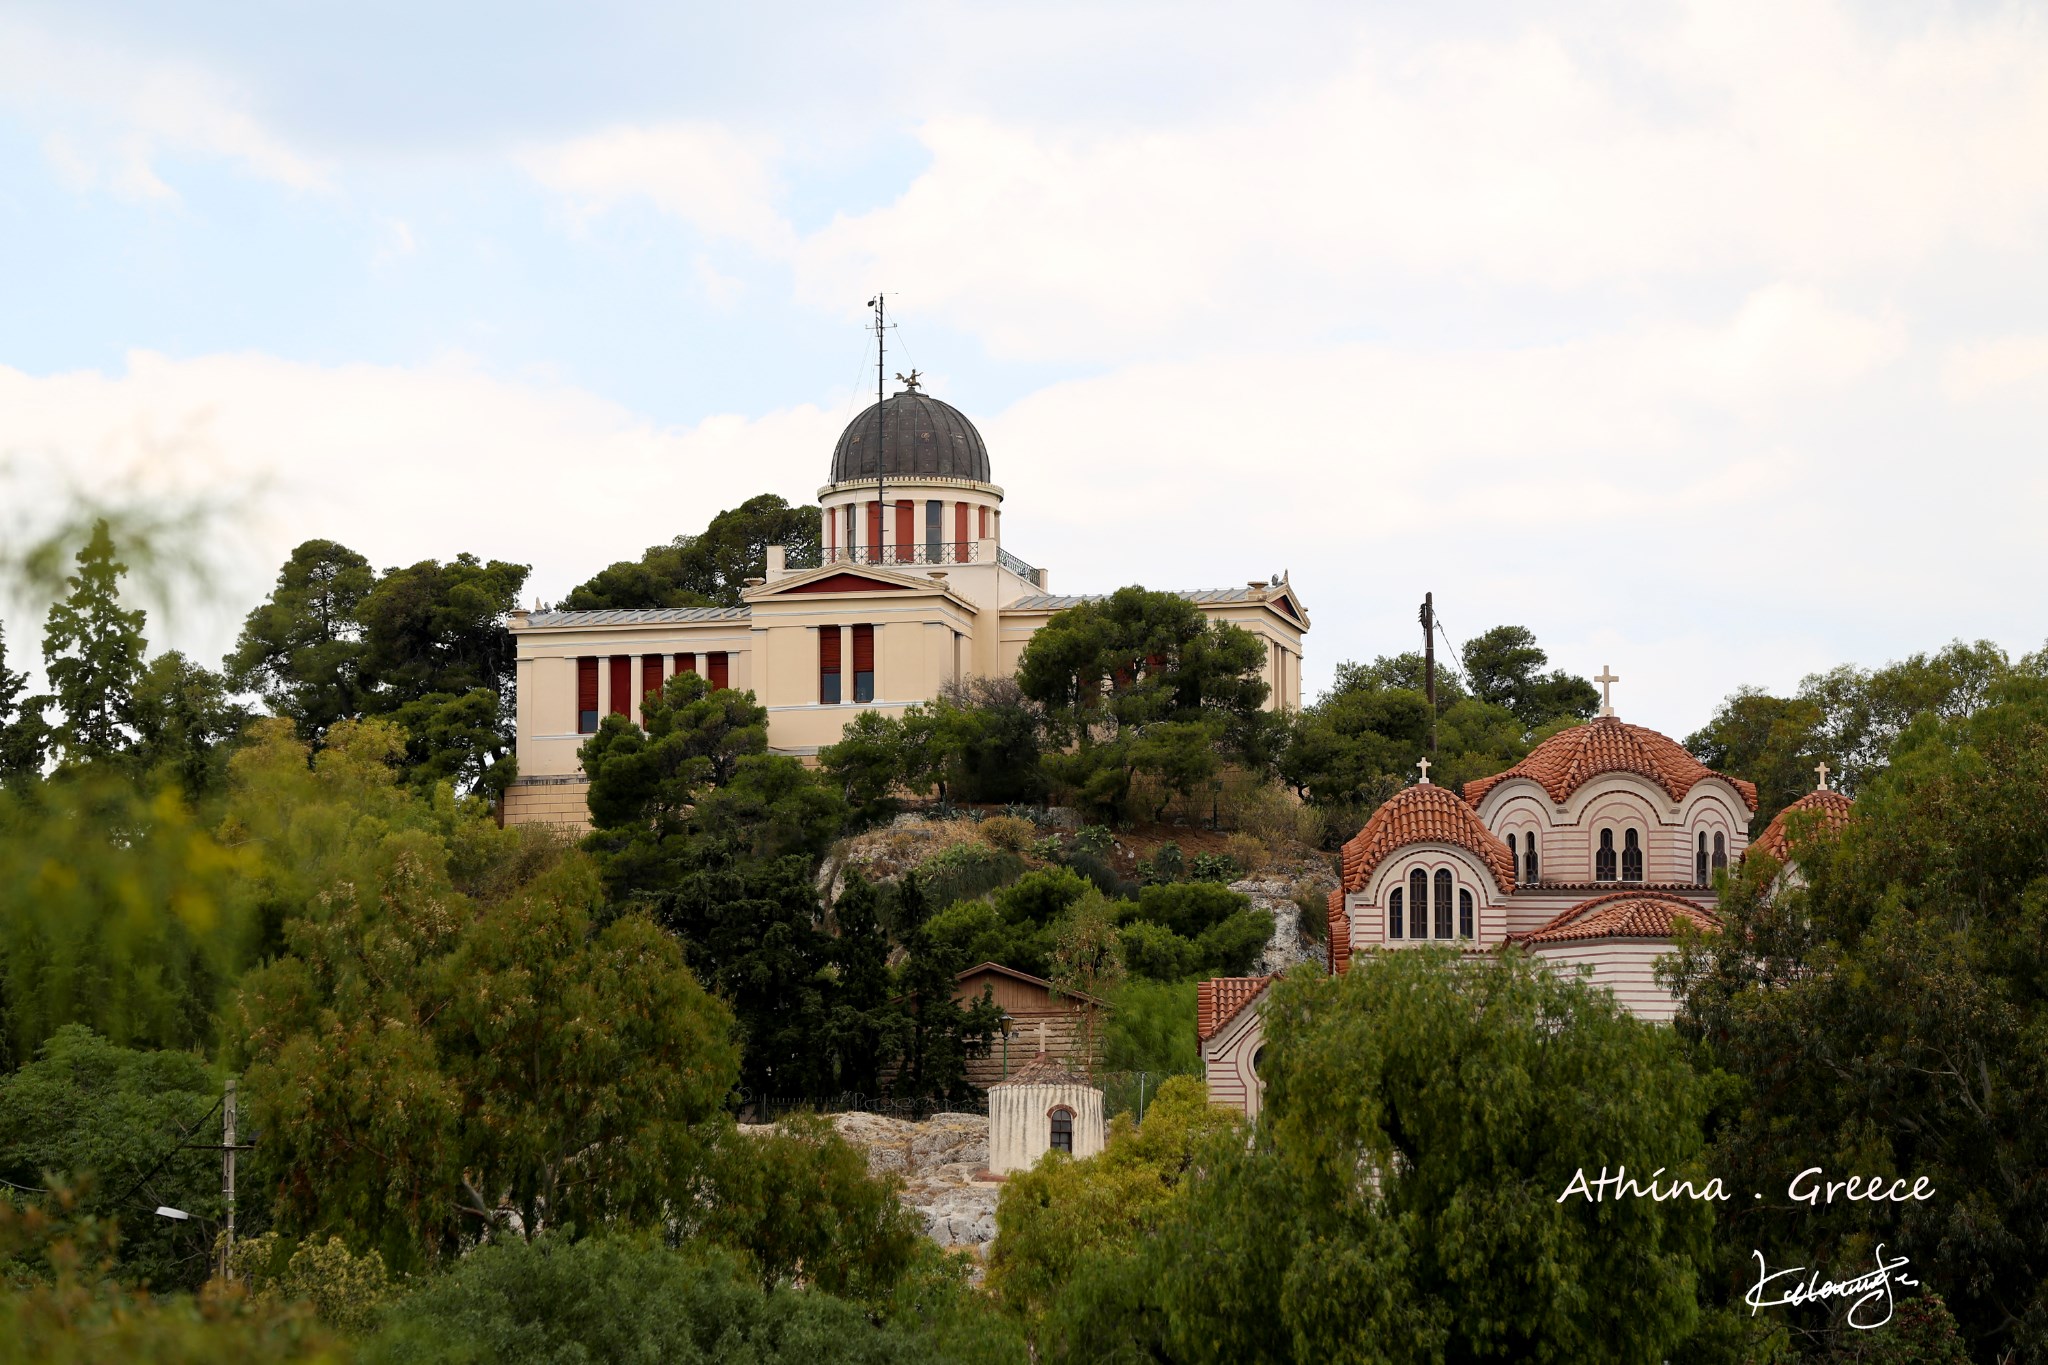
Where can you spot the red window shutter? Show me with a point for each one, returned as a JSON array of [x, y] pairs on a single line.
[[984, 523], [650, 673], [906, 532], [718, 670], [686, 663], [828, 648], [586, 694], [874, 533], [960, 527], [622, 684], [863, 649]]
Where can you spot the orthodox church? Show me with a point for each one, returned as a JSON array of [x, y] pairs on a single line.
[[913, 588], [1589, 854]]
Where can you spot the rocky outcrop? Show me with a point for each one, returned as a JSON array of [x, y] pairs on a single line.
[[1274, 892], [943, 1163]]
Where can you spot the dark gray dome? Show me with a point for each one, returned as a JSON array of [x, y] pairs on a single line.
[[919, 435]]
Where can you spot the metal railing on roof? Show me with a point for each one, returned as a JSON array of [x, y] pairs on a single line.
[[927, 552], [1019, 568]]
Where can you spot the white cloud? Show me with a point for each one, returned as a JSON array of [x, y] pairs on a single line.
[[718, 181], [1977, 369], [111, 116], [1772, 140]]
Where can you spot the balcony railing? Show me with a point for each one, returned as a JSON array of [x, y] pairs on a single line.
[[921, 552], [1019, 568]]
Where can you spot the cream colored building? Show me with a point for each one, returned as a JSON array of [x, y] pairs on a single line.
[[914, 589]]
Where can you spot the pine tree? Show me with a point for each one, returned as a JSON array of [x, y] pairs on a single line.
[[23, 734], [92, 651]]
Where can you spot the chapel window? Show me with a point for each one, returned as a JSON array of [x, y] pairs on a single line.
[[1603, 857], [1699, 862], [1720, 853], [1529, 858], [1062, 1129], [1514, 858], [1394, 913], [1418, 904], [1443, 902], [586, 696], [1464, 913], [1631, 856]]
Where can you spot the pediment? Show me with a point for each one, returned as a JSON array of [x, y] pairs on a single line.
[[847, 582], [835, 580]]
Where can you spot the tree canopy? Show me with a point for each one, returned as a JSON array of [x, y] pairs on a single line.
[[708, 569]]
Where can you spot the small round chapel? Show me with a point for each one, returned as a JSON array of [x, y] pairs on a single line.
[[1044, 1106]]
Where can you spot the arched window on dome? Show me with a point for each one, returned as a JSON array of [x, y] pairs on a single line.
[[1062, 1129], [1394, 913], [1603, 857], [1418, 904], [1699, 862], [1631, 856], [1720, 852], [1529, 868], [1443, 902], [1464, 913]]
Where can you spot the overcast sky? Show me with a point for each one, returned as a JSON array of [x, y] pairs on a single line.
[[1709, 341]]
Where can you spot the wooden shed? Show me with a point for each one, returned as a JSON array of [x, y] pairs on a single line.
[[1031, 1006]]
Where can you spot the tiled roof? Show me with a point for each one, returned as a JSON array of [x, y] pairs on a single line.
[[1053, 601], [1339, 934], [1217, 1001], [1623, 914], [651, 617], [1000, 970], [1044, 1069], [1568, 760], [1424, 814], [1834, 809]]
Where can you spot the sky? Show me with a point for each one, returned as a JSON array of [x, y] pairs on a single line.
[[1709, 341]]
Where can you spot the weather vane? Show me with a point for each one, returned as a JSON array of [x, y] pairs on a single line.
[[908, 381]]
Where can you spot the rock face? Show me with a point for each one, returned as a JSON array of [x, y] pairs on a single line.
[[1275, 895], [942, 1162]]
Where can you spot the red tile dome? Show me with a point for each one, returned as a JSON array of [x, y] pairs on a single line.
[[1571, 758], [1834, 810], [1424, 814]]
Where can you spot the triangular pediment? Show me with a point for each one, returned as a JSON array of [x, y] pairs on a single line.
[[866, 580], [847, 582]]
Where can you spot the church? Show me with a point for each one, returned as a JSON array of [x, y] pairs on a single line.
[[913, 587], [1588, 854]]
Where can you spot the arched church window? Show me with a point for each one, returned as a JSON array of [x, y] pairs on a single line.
[[1699, 862], [1418, 904], [1443, 902], [1529, 858], [1258, 1061], [1720, 852], [1603, 857], [1394, 913], [1062, 1129], [1514, 858], [1464, 913], [1631, 856]]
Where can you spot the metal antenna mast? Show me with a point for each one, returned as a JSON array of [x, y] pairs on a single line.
[[881, 418]]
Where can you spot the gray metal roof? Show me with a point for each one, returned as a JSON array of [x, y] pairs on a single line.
[[651, 617], [1053, 601], [920, 435]]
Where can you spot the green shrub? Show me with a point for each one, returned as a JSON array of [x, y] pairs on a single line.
[[1009, 832]]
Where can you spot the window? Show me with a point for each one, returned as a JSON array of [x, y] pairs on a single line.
[[650, 678], [718, 672], [1418, 904], [586, 697], [828, 664], [1062, 1129], [984, 523], [1699, 862], [1394, 913], [863, 663], [1258, 1062], [686, 663], [1720, 853], [1514, 859], [849, 531], [1443, 902], [874, 554], [622, 684], [960, 531], [1603, 857], [1464, 913], [1529, 858], [906, 531], [934, 531], [1631, 856]]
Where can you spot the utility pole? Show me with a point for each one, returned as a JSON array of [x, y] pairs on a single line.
[[227, 1179], [1429, 661]]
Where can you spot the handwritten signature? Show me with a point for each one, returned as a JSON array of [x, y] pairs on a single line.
[[1865, 1289]]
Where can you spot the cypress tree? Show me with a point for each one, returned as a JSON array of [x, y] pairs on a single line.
[[92, 650], [22, 731]]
